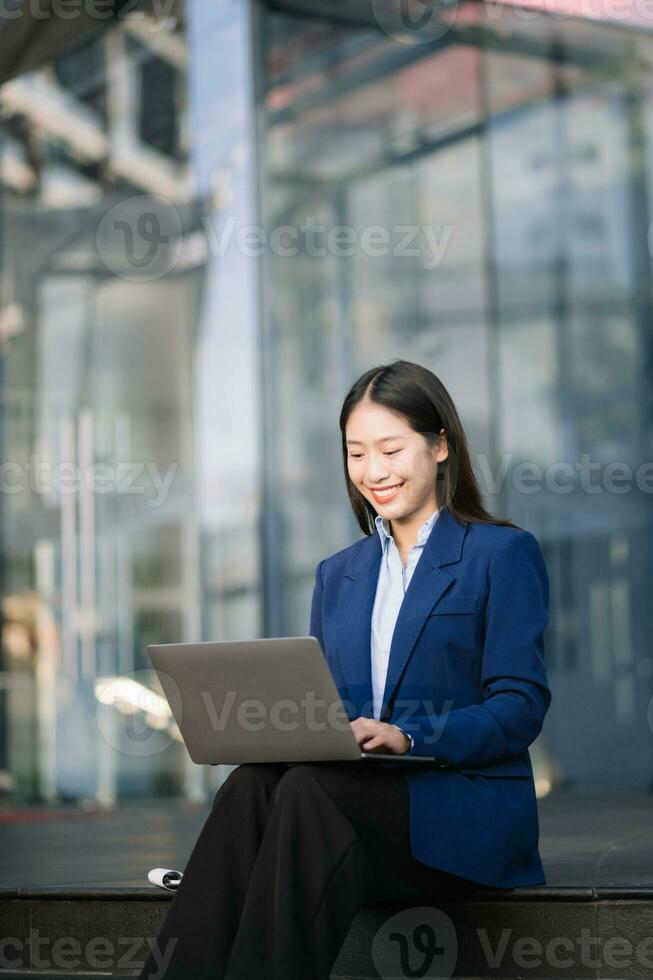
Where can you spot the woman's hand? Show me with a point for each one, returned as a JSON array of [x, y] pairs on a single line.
[[378, 736]]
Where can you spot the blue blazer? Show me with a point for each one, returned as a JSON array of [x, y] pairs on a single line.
[[466, 677]]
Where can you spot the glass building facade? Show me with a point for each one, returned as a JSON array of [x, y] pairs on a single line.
[[210, 224]]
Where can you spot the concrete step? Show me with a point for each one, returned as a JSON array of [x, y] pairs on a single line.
[[49, 975], [600, 933]]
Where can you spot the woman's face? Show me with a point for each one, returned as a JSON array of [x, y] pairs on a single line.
[[383, 451]]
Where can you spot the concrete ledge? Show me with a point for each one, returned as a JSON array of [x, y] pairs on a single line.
[[537, 932]]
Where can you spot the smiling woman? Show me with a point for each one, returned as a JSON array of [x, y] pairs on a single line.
[[431, 626], [438, 631]]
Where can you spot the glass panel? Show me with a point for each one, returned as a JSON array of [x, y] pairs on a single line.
[[128, 440], [366, 176], [521, 144]]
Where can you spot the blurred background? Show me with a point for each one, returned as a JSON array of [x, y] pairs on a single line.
[[198, 368]]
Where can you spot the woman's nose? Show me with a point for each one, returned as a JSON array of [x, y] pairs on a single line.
[[377, 471]]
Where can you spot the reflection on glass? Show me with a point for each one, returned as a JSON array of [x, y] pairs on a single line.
[[518, 164], [123, 480]]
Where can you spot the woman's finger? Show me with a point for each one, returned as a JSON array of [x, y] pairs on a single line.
[[374, 743]]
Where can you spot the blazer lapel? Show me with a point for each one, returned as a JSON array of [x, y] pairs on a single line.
[[356, 603], [354, 619]]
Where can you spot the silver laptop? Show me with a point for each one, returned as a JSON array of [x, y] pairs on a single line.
[[268, 700]]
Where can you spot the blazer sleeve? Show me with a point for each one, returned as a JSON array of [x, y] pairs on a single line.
[[515, 691], [315, 627]]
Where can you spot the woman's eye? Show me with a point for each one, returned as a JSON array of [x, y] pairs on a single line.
[[358, 455]]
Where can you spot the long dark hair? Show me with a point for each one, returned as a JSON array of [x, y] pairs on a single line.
[[415, 393]]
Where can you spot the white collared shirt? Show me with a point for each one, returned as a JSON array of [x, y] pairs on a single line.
[[391, 587]]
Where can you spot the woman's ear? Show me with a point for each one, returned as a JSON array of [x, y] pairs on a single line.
[[443, 448]]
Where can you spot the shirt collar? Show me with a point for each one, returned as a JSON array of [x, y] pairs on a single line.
[[383, 528]]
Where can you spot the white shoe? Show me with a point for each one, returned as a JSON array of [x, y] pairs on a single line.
[[165, 878]]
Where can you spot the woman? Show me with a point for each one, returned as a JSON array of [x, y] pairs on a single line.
[[432, 625]]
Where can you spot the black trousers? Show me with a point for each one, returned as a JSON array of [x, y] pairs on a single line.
[[287, 855]]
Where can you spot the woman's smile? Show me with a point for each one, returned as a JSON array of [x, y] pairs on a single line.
[[382, 496]]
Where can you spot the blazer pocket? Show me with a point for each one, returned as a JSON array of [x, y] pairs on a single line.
[[456, 604]]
